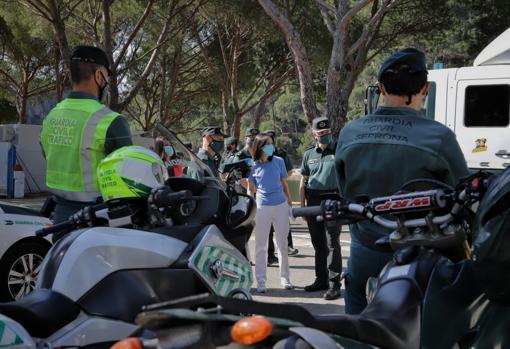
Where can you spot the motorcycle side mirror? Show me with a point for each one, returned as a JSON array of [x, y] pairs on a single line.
[[242, 210]]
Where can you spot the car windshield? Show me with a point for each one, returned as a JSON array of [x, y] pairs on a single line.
[[192, 166]]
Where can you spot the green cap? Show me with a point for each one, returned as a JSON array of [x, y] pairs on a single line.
[[252, 131], [321, 123], [410, 60]]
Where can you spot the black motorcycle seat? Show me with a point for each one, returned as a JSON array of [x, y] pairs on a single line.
[[41, 312], [397, 299]]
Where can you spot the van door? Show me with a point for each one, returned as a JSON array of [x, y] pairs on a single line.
[[482, 122]]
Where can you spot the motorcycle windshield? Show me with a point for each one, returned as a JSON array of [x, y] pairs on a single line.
[[183, 162]]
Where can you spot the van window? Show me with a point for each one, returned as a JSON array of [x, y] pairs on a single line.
[[487, 106]]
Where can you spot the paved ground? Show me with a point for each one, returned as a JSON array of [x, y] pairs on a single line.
[[302, 273], [301, 269]]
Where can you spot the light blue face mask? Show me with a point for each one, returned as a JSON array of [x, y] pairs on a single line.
[[169, 150], [268, 149]]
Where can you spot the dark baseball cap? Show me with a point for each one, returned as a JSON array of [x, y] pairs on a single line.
[[212, 130], [252, 131], [90, 54], [321, 123], [411, 58]]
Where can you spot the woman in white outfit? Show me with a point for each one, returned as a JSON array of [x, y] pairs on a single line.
[[268, 184]]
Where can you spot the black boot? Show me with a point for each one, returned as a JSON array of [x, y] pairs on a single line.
[[334, 289], [318, 285]]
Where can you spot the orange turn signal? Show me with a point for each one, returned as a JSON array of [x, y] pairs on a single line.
[[128, 343], [251, 330]]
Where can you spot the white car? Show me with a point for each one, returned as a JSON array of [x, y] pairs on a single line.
[[21, 252]]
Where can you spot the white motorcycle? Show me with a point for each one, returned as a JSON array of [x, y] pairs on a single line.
[[96, 278]]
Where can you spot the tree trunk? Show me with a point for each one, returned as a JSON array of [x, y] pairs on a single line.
[[21, 103], [58, 76], [113, 86], [60, 32], [336, 88], [224, 107], [260, 112], [299, 55], [236, 126]]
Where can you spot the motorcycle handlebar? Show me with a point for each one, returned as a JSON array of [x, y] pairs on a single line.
[[310, 211], [165, 198], [85, 215], [55, 228], [361, 209]]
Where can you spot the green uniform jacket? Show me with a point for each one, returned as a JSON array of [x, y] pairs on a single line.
[[283, 154], [319, 166], [378, 153]]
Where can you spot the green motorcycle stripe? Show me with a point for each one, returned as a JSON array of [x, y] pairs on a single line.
[[196, 261], [2, 330]]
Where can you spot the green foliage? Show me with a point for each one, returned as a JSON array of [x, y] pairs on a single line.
[[7, 112]]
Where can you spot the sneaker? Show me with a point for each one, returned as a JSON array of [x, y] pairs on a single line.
[[318, 285], [272, 260], [287, 285], [333, 292], [293, 251], [261, 289]]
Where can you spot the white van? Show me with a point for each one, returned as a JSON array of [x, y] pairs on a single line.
[[475, 103]]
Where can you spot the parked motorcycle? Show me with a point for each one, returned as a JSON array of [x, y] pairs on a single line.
[[118, 256], [432, 295]]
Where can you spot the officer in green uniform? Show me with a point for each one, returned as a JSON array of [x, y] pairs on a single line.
[[230, 150], [79, 132], [318, 177], [213, 143], [250, 135], [271, 257], [378, 153]]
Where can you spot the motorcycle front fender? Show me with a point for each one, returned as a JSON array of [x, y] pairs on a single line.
[[321, 340]]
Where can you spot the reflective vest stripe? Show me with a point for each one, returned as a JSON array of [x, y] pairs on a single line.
[[90, 152]]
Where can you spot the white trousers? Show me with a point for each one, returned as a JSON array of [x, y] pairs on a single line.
[[278, 216]]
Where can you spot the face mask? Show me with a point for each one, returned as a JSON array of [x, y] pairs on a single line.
[[217, 146], [268, 149], [169, 150], [249, 142], [325, 139]]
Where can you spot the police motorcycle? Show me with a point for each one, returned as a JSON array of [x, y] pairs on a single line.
[[433, 294], [151, 241]]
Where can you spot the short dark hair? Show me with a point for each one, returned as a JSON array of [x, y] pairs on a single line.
[[403, 83], [256, 149], [159, 146], [81, 71]]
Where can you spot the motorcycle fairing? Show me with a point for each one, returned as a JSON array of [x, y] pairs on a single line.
[[219, 264], [457, 312], [97, 252]]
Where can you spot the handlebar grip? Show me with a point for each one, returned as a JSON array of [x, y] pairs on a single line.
[[63, 226], [311, 211], [166, 198]]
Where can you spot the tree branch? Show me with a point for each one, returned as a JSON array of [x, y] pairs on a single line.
[[360, 5], [135, 31]]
